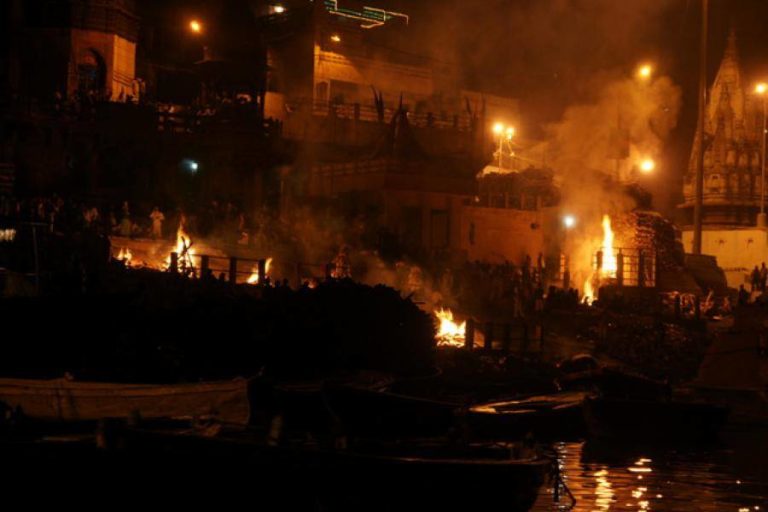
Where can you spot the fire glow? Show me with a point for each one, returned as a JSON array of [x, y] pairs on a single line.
[[125, 256], [450, 333], [184, 250], [254, 277], [607, 264]]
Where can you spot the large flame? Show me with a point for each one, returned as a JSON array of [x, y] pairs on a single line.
[[254, 277], [125, 256], [609, 258], [450, 333], [609, 263], [184, 250]]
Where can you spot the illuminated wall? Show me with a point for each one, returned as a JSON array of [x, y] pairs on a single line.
[[103, 60], [349, 78], [496, 235]]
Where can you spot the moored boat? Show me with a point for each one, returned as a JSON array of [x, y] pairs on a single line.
[[373, 474], [654, 419], [371, 412], [557, 415], [66, 400]]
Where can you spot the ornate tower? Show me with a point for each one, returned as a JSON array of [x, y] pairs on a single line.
[[103, 48], [731, 149]]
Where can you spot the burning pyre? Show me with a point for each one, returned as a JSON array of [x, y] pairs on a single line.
[[450, 333], [183, 249], [606, 264], [125, 256], [254, 277]]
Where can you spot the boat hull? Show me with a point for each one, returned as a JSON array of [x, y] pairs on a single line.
[[62, 400], [674, 420]]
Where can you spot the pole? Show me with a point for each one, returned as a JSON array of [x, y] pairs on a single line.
[[501, 149], [699, 198], [761, 220]]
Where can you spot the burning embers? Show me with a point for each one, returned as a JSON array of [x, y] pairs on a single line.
[[125, 256], [450, 333]]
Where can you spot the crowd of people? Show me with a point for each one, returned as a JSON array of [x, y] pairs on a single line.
[[222, 220], [502, 289], [758, 278]]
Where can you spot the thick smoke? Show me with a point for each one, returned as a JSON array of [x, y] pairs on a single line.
[[631, 118]]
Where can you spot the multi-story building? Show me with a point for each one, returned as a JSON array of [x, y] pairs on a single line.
[[70, 47]]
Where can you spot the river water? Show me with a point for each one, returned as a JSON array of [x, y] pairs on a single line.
[[730, 476]]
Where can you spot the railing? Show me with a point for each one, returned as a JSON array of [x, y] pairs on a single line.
[[634, 267], [185, 264], [369, 113], [520, 335]]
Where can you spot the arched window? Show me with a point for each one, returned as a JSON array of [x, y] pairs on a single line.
[[91, 73]]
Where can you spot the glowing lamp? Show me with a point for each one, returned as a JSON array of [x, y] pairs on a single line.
[[336, 38], [761, 88], [647, 165], [498, 128], [278, 9], [569, 221], [510, 132], [196, 27], [645, 71], [190, 166]]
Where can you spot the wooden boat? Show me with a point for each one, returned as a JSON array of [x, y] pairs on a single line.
[[395, 474], [370, 412], [654, 419], [558, 415], [616, 382], [65, 400]]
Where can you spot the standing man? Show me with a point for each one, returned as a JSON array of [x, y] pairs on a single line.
[[157, 222]]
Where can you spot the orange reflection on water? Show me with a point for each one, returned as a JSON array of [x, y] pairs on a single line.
[[603, 490]]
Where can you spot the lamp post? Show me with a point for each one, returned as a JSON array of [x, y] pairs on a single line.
[[503, 133], [569, 222], [761, 89], [645, 72], [647, 166], [196, 26]]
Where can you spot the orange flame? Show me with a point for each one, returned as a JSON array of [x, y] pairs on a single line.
[[609, 265], [184, 249], [450, 333], [609, 257], [254, 277], [125, 256]]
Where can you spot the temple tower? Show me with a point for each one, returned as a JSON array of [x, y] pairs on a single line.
[[731, 149]]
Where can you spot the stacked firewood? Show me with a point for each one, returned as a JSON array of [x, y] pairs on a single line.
[[654, 234]]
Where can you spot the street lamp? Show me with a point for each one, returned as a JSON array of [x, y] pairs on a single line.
[[645, 71], [196, 27], [647, 166], [569, 221], [336, 38], [503, 132], [761, 90]]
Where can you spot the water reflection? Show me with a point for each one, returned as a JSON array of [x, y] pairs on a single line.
[[610, 477]]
